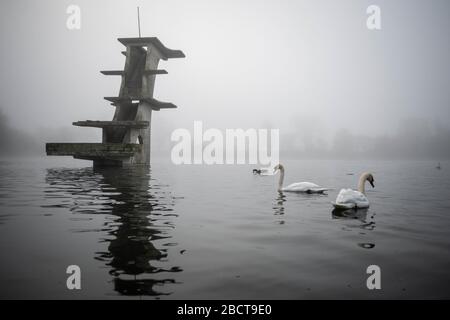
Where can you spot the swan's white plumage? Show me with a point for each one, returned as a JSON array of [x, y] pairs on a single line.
[[349, 199], [304, 187]]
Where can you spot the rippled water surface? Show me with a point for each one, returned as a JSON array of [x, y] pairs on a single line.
[[221, 232]]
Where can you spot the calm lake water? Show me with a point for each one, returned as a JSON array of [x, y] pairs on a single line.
[[211, 232]]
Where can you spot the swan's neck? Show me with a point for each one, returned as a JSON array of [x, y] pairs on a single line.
[[362, 183], [280, 182]]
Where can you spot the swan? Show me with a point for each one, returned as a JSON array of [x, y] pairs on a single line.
[[306, 187], [263, 172], [256, 171], [351, 199]]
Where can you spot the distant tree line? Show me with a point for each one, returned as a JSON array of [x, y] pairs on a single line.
[[414, 139]]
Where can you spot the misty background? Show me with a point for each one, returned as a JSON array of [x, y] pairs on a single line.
[[310, 68]]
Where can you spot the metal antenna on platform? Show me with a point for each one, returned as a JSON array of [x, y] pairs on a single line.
[[139, 22]]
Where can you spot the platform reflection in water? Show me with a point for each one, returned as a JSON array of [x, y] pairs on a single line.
[[142, 213]]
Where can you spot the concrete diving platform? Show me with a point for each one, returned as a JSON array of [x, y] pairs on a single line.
[[93, 151], [121, 72], [112, 124], [155, 104], [126, 138], [165, 52]]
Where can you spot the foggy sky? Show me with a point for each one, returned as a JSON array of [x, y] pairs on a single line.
[[310, 68]]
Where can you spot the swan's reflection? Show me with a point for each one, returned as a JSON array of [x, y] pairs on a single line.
[[360, 214], [278, 207], [144, 215], [365, 222]]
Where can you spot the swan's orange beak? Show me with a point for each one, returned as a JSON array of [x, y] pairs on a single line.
[[372, 183]]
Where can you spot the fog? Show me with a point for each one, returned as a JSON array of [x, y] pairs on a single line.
[[13, 141], [310, 68]]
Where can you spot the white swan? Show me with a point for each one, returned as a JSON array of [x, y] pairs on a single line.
[[306, 187], [351, 199]]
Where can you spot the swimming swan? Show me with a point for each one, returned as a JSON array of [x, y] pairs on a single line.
[[351, 199], [263, 172], [306, 187]]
